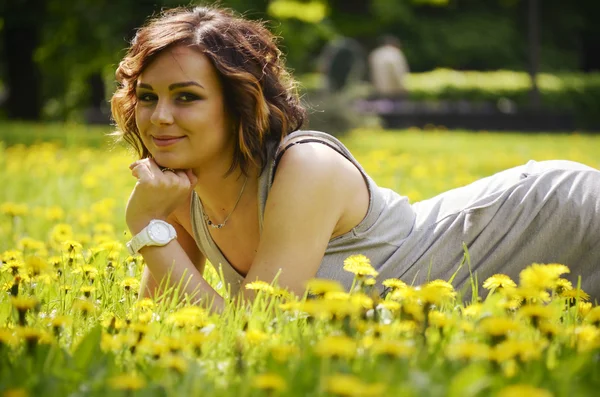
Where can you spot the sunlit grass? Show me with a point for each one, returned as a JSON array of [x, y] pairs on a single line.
[[71, 323]]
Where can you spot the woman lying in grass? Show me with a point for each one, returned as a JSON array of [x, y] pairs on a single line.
[[227, 174]]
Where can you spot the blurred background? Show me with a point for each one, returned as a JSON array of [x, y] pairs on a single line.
[[519, 65]]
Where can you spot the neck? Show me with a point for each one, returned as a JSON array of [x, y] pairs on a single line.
[[220, 193]]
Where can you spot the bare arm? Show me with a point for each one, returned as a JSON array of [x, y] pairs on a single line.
[[149, 284], [156, 196], [315, 192]]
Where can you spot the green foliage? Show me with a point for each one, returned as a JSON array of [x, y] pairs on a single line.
[[575, 93]]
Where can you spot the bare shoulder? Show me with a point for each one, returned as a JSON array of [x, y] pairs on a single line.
[[317, 159], [321, 175]]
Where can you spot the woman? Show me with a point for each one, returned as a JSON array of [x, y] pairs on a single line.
[[226, 175]]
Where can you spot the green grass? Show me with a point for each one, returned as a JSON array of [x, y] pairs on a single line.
[[79, 329]]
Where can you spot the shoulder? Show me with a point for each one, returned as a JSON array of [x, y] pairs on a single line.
[[312, 155]]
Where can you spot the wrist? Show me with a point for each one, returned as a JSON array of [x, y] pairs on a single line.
[[156, 233], [138, 224]]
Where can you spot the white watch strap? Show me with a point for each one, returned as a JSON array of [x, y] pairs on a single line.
[[138, 241]]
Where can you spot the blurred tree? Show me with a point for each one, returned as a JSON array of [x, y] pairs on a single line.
[[21, 36], [55, 51]]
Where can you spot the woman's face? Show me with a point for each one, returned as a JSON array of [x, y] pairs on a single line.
[[180, 111]]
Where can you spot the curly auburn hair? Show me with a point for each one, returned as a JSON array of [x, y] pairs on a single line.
[[260, 95]]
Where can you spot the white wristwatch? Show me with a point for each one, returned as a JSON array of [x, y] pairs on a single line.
[[157, 233]]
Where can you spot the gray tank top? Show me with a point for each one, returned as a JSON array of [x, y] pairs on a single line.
[[388, 221], [544, 212]]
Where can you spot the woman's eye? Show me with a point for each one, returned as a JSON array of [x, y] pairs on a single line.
[[187, 97], [145, 97]]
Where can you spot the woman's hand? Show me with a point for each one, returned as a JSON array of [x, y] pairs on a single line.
[[157, 193]]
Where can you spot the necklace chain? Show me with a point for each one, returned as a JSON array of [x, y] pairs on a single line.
[[220, 225]]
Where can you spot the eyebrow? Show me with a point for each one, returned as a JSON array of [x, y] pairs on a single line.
[[173, 86]]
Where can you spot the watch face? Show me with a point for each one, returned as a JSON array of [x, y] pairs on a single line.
[[159, 232]]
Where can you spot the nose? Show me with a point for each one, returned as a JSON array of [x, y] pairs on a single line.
[[162, 114]]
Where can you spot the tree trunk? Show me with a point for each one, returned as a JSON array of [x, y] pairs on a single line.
[[534, 52], [22, 30]]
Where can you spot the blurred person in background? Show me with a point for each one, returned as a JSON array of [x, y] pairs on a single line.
[[227, 174], [388, 68]]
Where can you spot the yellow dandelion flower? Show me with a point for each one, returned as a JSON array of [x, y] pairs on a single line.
[[393, 348], [145, 317], [343, 385], [14, 209], [561, 285], [440, 319], [192, 316], [531, 294], [256, 337], [468, 351], [61, 232], [59, 322], [472, 311], [575, 293], [394, 283], [405, 327], [269, 382], [34, 335], [403, 294], [145, 304], [36, 265], [586, 333], [390, 305], [84, 306], [11, 255], [87, 290], [31, 244], [260, 286], [130, 283], [593, 316], [498, 281], [525, 350], [498, 326], [283, 352], [537, 312], [414, 311], [359, 265], [197, 340], [337, 295], [131, 381], [174, 362], [7, 337], [523, 390], [336, 346], [24, 303], [319, 286], [361, 300], [112, 343], [436, 293], [584, 308], [549, 329], [153, 348], [346, 385], [72, 246], [540, 276]]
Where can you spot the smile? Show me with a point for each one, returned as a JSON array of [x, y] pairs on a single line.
[[166, 141]]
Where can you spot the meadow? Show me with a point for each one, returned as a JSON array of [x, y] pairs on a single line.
[[71, 322]]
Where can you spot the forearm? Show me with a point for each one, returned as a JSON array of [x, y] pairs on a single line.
[[171, 263]]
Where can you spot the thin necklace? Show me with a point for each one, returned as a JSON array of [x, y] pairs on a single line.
[[220, 225]]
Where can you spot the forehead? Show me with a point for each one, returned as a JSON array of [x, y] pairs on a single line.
[[178, 64]]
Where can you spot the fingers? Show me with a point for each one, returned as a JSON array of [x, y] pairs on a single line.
[[148, 170], [191, 177]]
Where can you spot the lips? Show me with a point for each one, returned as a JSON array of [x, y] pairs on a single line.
[[166, 140]]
